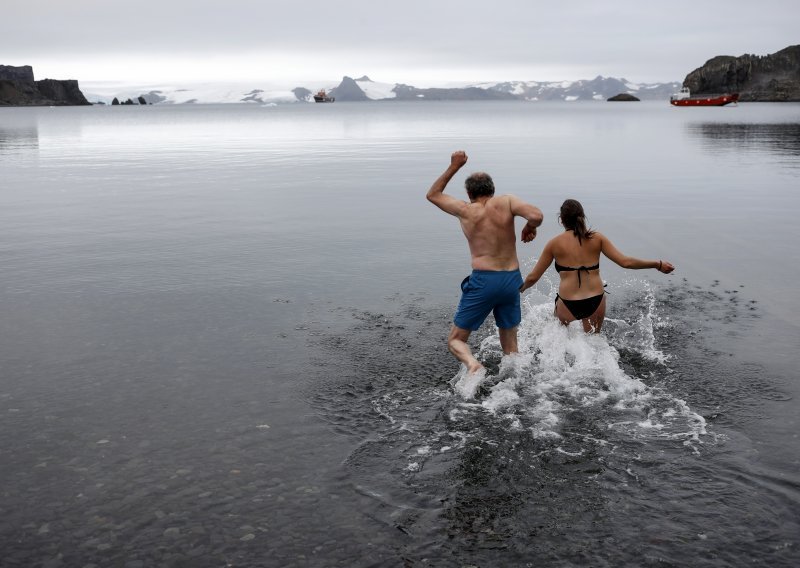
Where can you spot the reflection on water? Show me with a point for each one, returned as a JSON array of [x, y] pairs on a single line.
[[780, 139], [184, 382], [17, 138]]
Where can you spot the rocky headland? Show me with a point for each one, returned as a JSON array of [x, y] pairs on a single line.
[[767, 78], [18, 88]]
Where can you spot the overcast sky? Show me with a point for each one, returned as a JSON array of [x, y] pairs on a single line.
[[418, 42]]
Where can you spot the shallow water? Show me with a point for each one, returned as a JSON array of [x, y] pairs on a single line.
[[223, 340]]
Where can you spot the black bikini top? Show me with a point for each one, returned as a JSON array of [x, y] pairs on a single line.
[[560, 268]]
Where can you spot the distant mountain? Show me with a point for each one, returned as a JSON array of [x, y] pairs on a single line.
[[598, 89], [18, 88], [773, 77], [364, 89], [469, 93], [348, 90], [768, 78], [193, 93]]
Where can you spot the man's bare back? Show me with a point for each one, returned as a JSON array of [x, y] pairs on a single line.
[[487, 220], [488, 224]]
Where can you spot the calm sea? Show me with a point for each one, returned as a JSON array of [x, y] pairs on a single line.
[[222, 340]]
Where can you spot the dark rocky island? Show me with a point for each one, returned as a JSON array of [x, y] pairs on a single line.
[[768, 78], [623, 97], [18, 88]]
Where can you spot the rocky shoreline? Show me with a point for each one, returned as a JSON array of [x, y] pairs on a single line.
[[19, 88], [768, 78]]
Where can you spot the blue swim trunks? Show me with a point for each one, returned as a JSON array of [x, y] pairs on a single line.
[[490, 290]]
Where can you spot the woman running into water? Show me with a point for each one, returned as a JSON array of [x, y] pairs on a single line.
[[576, 252]]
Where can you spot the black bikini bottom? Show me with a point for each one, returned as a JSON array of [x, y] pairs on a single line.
[[582, 308]]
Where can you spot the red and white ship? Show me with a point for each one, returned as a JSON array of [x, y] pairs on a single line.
[[685, 98], [322, 97]]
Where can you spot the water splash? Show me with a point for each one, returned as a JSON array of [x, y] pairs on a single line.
[[560, 370], [466, 384]]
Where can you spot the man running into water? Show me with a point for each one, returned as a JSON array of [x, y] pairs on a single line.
[[488, 224]]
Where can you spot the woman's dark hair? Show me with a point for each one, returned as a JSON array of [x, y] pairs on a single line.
[[574, 219], [479, 184]]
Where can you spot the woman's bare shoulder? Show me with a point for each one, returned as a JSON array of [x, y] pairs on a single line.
[[558, 243]]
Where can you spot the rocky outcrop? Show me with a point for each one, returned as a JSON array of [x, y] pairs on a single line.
[[18, 88], [153, 97], [768, 78], [348, 90], [302, 93], [253, 96], [116, 102], [64, 92], [10, 73], [623, 97]]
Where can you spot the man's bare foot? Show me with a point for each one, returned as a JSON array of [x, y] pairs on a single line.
[[466, 382]]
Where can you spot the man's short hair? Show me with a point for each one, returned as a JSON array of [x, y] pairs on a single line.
[[479, 184]]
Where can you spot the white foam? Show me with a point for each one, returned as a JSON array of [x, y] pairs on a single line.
[[561, 368], [561, 450], [466, 384], [639, 335]]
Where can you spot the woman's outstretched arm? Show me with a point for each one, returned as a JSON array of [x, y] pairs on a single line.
[[614, 254], [539, 268]]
